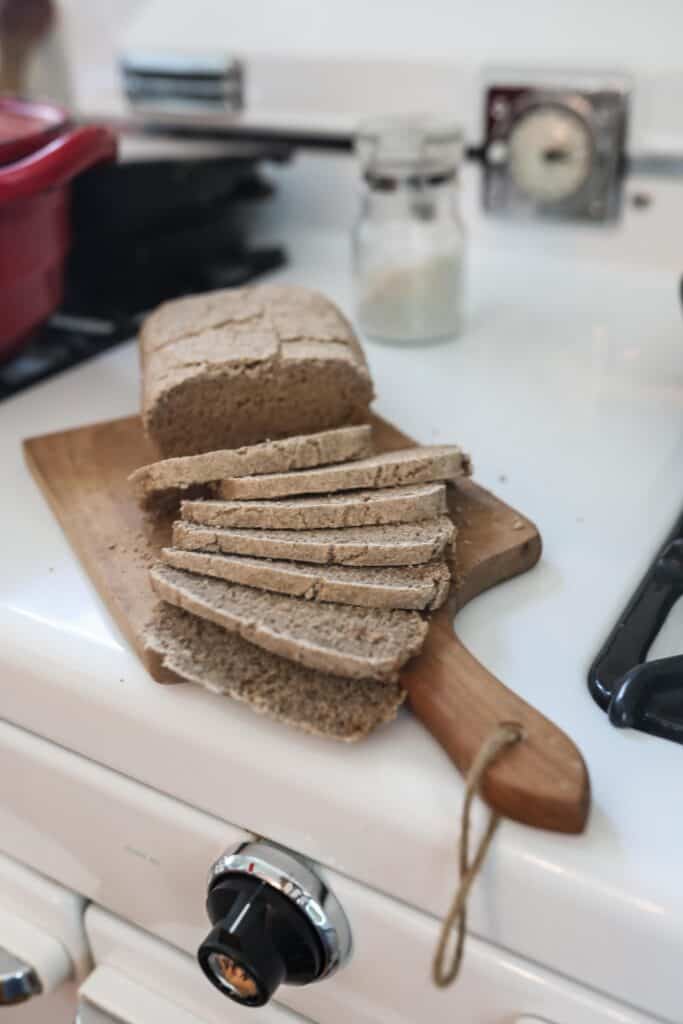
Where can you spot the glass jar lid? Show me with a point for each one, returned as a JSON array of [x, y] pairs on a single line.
[[424, 147]]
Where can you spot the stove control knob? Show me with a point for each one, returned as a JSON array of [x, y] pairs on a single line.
[[18, 980], [274, 921]]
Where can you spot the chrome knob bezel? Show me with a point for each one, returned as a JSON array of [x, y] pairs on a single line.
[[296, 878]]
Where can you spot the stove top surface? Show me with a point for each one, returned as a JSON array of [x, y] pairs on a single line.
[[568, 388]]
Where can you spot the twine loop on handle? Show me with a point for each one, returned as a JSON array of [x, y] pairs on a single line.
[[445, 970]]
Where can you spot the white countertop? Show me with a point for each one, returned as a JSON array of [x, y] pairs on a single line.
[[567, 386]]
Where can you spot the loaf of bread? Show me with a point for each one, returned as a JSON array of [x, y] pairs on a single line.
[[237, 366], [302, 581]]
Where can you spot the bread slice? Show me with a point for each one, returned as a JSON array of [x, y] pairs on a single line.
[[292, 453], [357, 643], [329, 706], [234, 366], [390, 469], [401, 544], [353, 508], [416, 587]]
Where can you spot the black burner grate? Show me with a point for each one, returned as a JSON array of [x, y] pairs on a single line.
[[638, 694]]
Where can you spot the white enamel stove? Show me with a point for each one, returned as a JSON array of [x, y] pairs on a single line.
[[120, 794]]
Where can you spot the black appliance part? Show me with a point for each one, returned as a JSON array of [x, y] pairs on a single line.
[[635, 693], [260, 939], [145, 233]]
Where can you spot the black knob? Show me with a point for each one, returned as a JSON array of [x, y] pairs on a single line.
[[274, 921]]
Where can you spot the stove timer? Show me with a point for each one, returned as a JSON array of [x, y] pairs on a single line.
[[554, 152]]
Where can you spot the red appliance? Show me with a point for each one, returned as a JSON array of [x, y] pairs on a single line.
[[39, 158]]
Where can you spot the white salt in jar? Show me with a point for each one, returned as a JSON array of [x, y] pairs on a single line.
[[409, 239]]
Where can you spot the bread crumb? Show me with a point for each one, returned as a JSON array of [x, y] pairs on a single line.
[[518, 525]]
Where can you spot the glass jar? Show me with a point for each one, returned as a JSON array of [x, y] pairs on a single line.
[[409, 239]]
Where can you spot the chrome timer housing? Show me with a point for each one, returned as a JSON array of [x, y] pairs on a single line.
[[275, 922], [554, 146]]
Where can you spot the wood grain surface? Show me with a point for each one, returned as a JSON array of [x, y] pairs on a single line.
[[542, 782]]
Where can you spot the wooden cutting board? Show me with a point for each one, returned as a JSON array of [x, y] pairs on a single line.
[[542, 781]]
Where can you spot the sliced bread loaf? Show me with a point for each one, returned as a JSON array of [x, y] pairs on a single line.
[[390, 469], [231, 367], [357, 643], [416, 587], [400, 544], [292, 453], [353, 508], [199, 651]]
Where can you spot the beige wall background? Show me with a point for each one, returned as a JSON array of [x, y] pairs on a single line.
[[453, 40], [79, 59], [645, 32]]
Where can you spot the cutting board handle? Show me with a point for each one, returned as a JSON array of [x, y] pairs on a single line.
[[542, 780]]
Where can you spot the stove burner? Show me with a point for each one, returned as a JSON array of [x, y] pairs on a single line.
[[637, 694]]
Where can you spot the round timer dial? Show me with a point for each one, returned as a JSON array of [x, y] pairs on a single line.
[[550, 153]]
